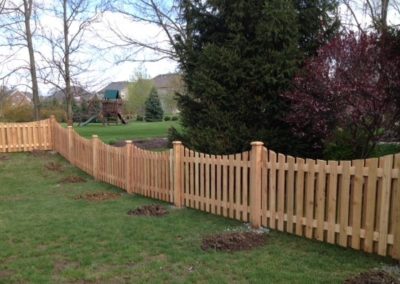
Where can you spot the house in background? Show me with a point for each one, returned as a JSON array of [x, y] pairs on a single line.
[[80, 94], [18, 98], [121, 87], [168, 83]]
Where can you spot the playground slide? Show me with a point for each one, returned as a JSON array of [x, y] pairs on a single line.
[[89, 120], [121, 118]]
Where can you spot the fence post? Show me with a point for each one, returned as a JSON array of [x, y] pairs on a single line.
[[178, 187], [70, 145], [52, 132], [256, 156], [128, 149], [95, 140]]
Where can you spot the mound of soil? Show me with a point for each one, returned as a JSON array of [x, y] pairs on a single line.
[[156, 143], [372, 277], [149, 210], [72, 179], [98, 196], [4, 158], [54, 167], [233, 241]]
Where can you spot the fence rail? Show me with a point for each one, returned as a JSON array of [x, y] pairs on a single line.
[[353, 204]]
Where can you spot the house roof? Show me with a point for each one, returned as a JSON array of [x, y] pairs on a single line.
[[118, 86], [166, 81], [79, 93], [111, 95]]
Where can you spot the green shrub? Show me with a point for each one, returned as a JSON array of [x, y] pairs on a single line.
[[174, 118], [139, 118], [58, 112], [167, 118], [23, 113], [349, 145]]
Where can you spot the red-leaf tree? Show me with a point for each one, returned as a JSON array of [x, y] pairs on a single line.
[[349, 94]]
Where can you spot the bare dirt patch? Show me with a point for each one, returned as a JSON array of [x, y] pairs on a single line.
[[149, 210], [53, 167], [149, 144], [61, 265], [372, 277], [39, 153], [5, 274], [4, 158], [233, 241], [99, 196], [72, 179]]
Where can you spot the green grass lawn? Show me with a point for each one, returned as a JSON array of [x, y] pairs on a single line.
[[133, 131], [46, 236]]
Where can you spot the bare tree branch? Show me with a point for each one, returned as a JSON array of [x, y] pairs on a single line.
[[161, 14], [63, 65], [18, 23]]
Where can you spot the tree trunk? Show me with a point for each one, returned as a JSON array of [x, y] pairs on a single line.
[[384, 12], [67, 76], [32, 63]]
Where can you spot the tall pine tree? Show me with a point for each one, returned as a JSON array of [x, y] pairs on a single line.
[[318, 23], [237, 58], [153, 110]]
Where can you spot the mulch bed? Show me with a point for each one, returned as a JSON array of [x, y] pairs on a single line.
[[235, 241], [53, 167], [149, 210], [156, 143], [372, 277], [98, 196], [72, 179]]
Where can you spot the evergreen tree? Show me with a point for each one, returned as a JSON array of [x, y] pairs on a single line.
[[318, 24], [153, 109], [237, 58]]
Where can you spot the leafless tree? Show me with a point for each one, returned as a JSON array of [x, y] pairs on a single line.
[[19, 24], [163, 14], [376, 10], [65, 63], [2, 3]]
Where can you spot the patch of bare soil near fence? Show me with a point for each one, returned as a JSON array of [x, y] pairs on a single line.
[[4, 158], [53, 167], [149, 210], [39, 153], [72, 179], [372, 277], [98, 196], [235, 241], [149, 144]]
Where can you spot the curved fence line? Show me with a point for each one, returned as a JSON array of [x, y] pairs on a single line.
[[353, 204]]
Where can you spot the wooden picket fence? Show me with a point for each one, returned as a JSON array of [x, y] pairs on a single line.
[[19, 137], [353, 204]]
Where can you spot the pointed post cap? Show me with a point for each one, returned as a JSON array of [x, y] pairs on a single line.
[[256, 143]]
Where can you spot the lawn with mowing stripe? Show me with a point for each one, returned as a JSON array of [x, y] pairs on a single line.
[[48, 236], [133, 131]]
